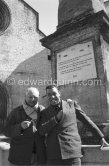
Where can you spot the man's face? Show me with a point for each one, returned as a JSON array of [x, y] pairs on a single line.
[[53, 96], [32, 98]]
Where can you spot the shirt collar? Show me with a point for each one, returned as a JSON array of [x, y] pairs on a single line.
[[59, 105]]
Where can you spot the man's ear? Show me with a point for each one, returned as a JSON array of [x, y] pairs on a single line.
[[39, 97]]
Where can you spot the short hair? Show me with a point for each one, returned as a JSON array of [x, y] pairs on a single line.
[[51, 87]]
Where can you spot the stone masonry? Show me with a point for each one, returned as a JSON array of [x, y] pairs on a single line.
[[23, 61]]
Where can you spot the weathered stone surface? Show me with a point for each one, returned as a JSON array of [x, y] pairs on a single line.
[[94, 156], [71, 9], [92, 97], [23, 61]]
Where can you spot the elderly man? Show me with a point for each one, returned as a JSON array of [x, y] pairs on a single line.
[[27, 146], [59, 122]]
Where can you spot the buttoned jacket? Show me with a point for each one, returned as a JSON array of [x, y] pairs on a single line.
[[23, 141], [63, 140]]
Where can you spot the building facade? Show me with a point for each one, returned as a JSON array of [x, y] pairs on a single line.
[[23, 61]]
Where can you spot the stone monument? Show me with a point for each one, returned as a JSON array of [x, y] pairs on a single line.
[[80, 55], [69, 10]]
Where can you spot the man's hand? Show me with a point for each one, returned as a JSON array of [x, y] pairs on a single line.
[[104, 145], [25, 124]]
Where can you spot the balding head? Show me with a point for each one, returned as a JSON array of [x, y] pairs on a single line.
[[32, 90], [32, 96]]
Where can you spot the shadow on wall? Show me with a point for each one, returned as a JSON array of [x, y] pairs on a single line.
[[35, 71]]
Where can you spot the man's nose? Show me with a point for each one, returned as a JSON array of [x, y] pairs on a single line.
[[52, 96], [34, 99]]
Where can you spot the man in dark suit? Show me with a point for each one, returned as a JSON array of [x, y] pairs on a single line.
[[59, 123], [27, 146]]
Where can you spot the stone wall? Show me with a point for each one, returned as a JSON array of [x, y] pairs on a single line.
[[107, 6], [23, 61]]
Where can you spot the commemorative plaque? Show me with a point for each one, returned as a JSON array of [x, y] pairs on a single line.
[[76, 63]]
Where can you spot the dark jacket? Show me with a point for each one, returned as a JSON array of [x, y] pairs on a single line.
[[63, 140], [22, 141]]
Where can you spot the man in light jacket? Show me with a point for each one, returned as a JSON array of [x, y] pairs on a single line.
[[59, 123]]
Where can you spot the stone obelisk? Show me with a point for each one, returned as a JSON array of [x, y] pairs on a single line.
[[69, 10]]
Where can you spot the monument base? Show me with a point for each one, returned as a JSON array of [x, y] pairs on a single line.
[[80, 53], [92, 155]]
